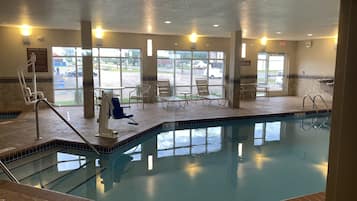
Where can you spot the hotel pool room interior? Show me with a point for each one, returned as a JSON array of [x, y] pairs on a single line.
[[186, 100]]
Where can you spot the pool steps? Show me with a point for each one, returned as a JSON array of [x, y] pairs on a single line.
[[41, 170]]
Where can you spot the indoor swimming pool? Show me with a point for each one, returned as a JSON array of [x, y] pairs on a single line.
[[260, 159]]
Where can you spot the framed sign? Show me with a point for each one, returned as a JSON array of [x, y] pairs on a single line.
[[245, 63], [41, 59]]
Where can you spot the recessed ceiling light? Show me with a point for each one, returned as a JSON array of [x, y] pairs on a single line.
[[215, 25], [278, 32], [167, 22], [309, 35]]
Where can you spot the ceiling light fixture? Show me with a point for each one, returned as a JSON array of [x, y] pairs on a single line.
[[309, 35], [264, 41], [278, 32], [215, 25], [167, 22], [99, 33], [25, 30], [193, 38]]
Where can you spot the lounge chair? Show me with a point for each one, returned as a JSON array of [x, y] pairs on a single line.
[[203, 91], [165, 95], [140, 93]]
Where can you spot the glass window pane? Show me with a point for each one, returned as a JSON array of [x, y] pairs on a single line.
[[95, 52], [215, 72], [165, 54], [109, 52], [179, 91], [165, 140], [131, 53], [182, 138], [63, 51], [216, 91], [199, 69], [110, 72], [165, 69], [183, 72], [96, 72], [80, 72], [69, 97], [216, 55], [134, 149], [183, 54], [131, 72], [64, 72], [276, 72], [200, 55]]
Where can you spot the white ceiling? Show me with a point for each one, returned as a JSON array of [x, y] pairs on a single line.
[[294, 18]]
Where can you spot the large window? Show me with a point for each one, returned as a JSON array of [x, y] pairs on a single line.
[[182, 68], [271, 71], [112, 68]]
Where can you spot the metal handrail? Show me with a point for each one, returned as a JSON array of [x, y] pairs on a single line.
[[311, 99], [322, 99], [63, 119], [8, 173]]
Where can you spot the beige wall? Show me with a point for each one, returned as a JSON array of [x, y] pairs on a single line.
[[313, 64]]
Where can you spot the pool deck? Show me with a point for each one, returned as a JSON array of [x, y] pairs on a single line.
[[21, 133]]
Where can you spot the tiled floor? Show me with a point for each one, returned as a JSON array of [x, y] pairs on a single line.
[[20, 133], [313, 197]]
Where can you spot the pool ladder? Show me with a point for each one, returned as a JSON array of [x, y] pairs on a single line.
[[63, 119], [313, 100], [315, 123]]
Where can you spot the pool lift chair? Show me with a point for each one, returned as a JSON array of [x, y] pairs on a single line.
[[30, 96], [110, 107]]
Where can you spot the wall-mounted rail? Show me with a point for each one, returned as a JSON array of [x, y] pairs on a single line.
[[63, 119]]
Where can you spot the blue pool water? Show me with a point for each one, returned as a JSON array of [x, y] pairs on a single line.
[[267, 159]]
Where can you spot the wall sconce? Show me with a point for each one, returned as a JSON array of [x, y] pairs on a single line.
[[99, 33], [26, 33], [336, 41], [149, 47], [264, 41], [244, 51]]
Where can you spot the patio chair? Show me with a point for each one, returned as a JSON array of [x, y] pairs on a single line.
[[140, 93], [164, 90], [203, 91]]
